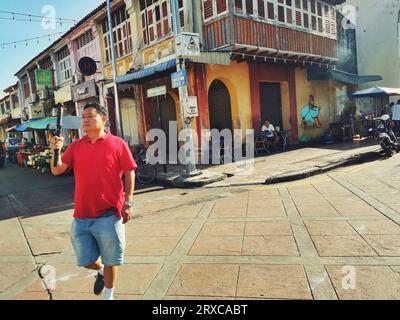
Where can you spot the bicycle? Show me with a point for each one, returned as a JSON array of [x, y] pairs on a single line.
[[145, 173]]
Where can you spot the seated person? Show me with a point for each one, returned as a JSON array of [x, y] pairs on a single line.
[[268, 130]]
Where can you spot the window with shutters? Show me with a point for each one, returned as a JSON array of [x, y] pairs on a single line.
[[215, 8], [84, 39], [64, 65], [157, 20], [25, 86], [122, 34]]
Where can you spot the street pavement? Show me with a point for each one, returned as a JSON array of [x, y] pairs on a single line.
[[331, 236]]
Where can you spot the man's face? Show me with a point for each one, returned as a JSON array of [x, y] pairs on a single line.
[[92, 121], [266, 123]]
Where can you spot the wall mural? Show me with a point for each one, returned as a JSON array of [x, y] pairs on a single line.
[[310, 114]]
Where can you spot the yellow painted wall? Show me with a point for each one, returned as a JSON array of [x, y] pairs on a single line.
[[158, 51], [123, 66], [323, 93], [236, 78]]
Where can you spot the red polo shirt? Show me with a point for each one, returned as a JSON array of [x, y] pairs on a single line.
[[98, 169]]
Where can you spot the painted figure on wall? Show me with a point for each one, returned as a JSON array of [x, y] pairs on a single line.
[[310, 113]]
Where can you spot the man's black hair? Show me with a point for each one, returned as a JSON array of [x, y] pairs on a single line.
[[100, 109]]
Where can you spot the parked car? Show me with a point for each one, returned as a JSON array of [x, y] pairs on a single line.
[[2, 154]]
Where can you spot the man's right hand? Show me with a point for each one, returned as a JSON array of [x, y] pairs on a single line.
[[56, 143]]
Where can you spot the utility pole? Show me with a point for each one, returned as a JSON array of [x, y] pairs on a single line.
[[183, 94], [115, 74]]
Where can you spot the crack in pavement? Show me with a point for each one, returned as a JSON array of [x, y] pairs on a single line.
[[17, 207]]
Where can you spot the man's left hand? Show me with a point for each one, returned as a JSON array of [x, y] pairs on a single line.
[[127, 214]]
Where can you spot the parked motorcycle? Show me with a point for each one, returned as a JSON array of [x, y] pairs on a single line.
[[385, 136]]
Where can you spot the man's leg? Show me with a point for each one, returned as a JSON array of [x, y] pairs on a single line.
[[110, 276], [95, 266]]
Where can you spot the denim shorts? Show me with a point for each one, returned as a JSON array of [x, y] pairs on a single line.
[[99, 237]]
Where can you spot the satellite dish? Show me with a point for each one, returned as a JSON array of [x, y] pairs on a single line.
[[87, 66], [25, 114]]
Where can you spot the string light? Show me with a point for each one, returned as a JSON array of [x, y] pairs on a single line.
[[30, 39], [30, 16]]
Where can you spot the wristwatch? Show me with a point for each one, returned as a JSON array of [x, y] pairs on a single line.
[[128, 204]]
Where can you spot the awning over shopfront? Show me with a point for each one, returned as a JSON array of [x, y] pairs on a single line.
[[342, 76], [350, 78], [138, 76], [69, 123], [376, 92]]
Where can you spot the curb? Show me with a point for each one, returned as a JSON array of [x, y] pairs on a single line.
[[183, 182], [360, 158], [179, 181]]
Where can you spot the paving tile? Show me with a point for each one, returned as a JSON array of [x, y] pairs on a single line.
[[151, 246], [217, 246], [44, 231], [370, 282], [215, 280], [385, 245], [32, 296], [310, 201], [303, 190], [14, 246], [265, 203], [273, 282], [375, 227], [11, 273], [262, 193], [354, 211], [317, 211], [223, 229], [134, 279], [269, 246], [266, 212], [228, 213], [50, 245], [127, 297], [156, 229], [229, 203], [76, 296], [268, 228], [329, 228], [342, 246]]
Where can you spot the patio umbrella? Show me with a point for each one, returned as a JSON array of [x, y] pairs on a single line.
[[69, 123], [41, 124], [376, 92]]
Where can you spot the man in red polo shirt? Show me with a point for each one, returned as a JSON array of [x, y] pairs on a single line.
[[101, 208]]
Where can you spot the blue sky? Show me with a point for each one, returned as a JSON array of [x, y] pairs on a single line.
[[12, 59]]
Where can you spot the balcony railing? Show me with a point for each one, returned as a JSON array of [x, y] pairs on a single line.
[[235, 31]]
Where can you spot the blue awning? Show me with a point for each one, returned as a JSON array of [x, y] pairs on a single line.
[[23, 126], [140, 75]]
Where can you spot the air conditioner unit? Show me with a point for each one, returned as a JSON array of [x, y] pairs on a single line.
[[77, 79]]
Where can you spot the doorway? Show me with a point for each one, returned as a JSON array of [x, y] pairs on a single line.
[[219, 103], [271, 103]]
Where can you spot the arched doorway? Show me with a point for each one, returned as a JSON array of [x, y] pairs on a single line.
[[219, 104]]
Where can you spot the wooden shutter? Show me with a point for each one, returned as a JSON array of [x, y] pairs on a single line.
[[221, 6], [239, 6], [208, 9], [249, 7]]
